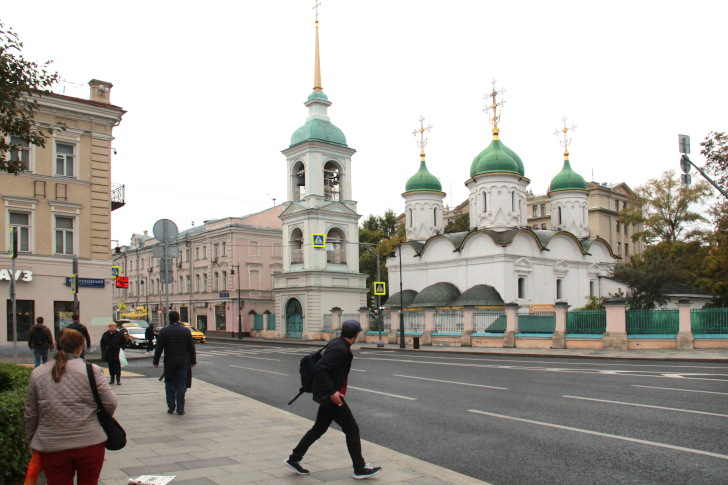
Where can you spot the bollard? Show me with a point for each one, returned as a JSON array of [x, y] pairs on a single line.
[[416, 342]]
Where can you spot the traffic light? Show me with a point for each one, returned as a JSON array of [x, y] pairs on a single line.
[[14, 242], [74, 283]]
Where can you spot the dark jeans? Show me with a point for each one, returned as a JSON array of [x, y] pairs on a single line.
[[341, 416], [83, 353], [115, 370], [40, 354], [150, 345], [175, 382]]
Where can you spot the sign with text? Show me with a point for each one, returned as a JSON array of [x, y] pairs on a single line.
[[224, 295], [88, 282]]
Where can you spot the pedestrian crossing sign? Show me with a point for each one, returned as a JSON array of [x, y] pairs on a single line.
[[115, 271], [380, 288], [318, 240]]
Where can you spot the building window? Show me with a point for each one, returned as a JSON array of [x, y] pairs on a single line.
[[624, 205], [215, 250], [616, 205], [21, 153], [535, 210], [224, 249], [197, 283], [21, 222], [253, 249], [559, 289], [626, 249], [626, 230], [254, 276], [618, 228], [220, 320], [560, 216], [64, 159], [215, 282], [535, 226], [434, 212], [521, 288], [187, 285], [485, 202], [180, 285], [204, 282], [204, 252], [619, 248], [591, 288], [410, 218], [64, 235], [513, 201], [543, 209], [197, 253], [276, 250], [224, 280], [543, 226]]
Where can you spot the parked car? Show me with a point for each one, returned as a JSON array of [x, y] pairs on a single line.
[[197, 336], [137, 323], [135, 337]]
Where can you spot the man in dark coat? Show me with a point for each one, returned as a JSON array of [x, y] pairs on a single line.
[[330, 376], [149, 336], [40, 341], [112, 342], [175, 340], [81, 328]]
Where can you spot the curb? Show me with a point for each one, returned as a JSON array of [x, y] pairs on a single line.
[[554, 356]]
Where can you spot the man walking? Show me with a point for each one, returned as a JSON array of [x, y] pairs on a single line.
[[40, 341], [330, 377], [149, 336], [176, 342], [81, 328]]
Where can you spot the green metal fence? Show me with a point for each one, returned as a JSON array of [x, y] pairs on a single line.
[[272, 321], [707, 321], [492, 321], [586, 322], [258, 322], [653, 322], [537, 322], [449, 322]]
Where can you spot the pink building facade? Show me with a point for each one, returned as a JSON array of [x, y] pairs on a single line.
[[221, 280]]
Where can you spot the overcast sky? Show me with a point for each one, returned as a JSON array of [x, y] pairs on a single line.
[[214, 90]]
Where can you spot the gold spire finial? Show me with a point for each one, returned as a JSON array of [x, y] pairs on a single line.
[[567, 140], [423, 141], [494, 105], [317, 68]]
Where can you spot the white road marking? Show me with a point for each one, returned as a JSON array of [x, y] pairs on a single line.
[[685, 390], [648, 406], [451, 382], [240, 355], [378, 352], [605, 435], [382, 393], [259, 370], [358, 370]]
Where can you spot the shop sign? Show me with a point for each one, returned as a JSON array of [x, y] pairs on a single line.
[[20, 275], [88, 282], [224, 295], [137, 314]]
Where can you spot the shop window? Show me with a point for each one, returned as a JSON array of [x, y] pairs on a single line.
[[62, 315], [220, 322], [25, 311]]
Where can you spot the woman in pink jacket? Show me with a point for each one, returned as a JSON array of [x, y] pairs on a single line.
[[60, 415]]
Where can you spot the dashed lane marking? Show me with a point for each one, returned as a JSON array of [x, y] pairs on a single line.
[[451, 382], [259, 370], [605, 435], [358, 370], [684, 390], [383, 393], [648, 406]]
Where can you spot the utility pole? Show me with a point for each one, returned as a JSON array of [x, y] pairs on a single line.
[[240, 317], [75, 285], [188, 245], [13, 256], [401, 302], [380, 343]]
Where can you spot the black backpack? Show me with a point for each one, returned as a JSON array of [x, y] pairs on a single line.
[[39, 337], [305, 368]]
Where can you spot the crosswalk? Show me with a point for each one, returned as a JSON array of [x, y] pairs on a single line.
[[256, 352]]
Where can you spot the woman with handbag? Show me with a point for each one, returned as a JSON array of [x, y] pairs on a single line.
[[112, 343], [61, 414]]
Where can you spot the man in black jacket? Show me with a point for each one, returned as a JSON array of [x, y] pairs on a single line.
[[149, 336], [330, 377], [81, 328], [176, 342]]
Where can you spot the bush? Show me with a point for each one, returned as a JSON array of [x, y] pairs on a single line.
[[14, 451]]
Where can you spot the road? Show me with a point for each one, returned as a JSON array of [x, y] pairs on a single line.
[[510, 420]]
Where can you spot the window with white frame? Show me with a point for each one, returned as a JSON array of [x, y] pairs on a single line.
[[535, 210], [180, 285], [215, 278], [254, 275], [204, 252], [224, 249], [204, 282], [276, 250], [559, 289], [254, 249], [65, 159], [215, 250], [197, 283], [521, 288], [64, 235], [224, 281], [187, 285], [21, 152], [21, 222]]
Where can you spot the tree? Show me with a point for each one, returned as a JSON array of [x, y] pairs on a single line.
[[715, 149], [382, 231], [20, 80], [593, 303], [459, 223], [663, 207], [714, 271]]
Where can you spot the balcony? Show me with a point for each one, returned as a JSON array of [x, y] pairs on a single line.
[[117, 196]]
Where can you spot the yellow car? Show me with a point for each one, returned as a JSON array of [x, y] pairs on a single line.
[[197, 336]]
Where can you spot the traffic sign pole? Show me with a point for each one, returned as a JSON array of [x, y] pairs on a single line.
[[685, 163], [14, 242], [74, 284]]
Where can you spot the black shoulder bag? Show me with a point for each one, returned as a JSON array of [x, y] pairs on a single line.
[[114, 432]]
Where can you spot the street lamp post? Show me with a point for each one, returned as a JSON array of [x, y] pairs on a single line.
[[380, 343], [146, 295], [240, 317], [401, 300]]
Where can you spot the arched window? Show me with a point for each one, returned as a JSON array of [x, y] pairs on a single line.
[[298, 181], [585, 215], [296, 245], [336, 246], [591, 288], [435, 214], [485, 202], [559, 216], [559, 289], [521, 288], [513, 201], [412, 222], [332, 179]]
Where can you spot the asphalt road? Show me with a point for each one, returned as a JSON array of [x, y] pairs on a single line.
[[510, 420]]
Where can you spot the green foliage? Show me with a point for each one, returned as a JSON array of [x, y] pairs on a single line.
[[714, 270], [459, 223], [384, 232], [20, 80], [715, 149], [663, 207], [14, 451], [593, 303]]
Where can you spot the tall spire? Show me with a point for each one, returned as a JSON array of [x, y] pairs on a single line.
[[317, 69]]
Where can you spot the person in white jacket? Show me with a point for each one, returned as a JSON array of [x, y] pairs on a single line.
[[61, 421]]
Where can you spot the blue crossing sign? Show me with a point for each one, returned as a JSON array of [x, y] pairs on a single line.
[[318, 240]]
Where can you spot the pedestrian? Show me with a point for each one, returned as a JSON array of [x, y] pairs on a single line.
[[330, 376], [61, 422], [175, 340], [149, 335], [40, 341], [81, 328], [112, 342]]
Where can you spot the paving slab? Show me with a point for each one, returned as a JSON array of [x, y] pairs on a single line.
[[195, 447]]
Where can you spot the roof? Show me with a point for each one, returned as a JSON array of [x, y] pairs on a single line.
[[80, 100], [439, 294], [679, 289], [497, 158], [318, 130], [479, 295], [567, 180], [423, 180], [393, 301]]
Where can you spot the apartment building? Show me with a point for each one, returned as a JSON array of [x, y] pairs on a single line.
[[61, 207]]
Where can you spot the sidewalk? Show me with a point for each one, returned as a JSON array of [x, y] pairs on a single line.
[[694, 355], [25, 355], [226, 438]]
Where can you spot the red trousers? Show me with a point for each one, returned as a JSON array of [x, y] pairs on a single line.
[[60, 467]]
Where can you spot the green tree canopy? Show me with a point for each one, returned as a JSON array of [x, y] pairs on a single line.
[[715, 150], [714, 270], [459, 223], [382, 231], [19, 80]]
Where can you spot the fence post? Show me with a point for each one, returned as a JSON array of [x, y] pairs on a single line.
[[558, 341], [429, 325], [615, 336], [393, 328], [364, 322], [335, 321], [685, 334], [468, 325], [509, 336]]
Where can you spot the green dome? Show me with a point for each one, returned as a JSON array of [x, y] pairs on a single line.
[[318, 95], [567, 179], [318, 130], [496, 158], [423, 180]]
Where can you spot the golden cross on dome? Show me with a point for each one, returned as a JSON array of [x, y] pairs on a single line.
[[423, 141], [315, 7], [494, 106], [567, 140]]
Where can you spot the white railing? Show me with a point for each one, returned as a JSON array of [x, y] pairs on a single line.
[[449, 322], [296, 256], [336, 256], [489, 321], [414, 321]]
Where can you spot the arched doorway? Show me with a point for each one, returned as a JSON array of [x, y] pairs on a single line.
[[294, 319]]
